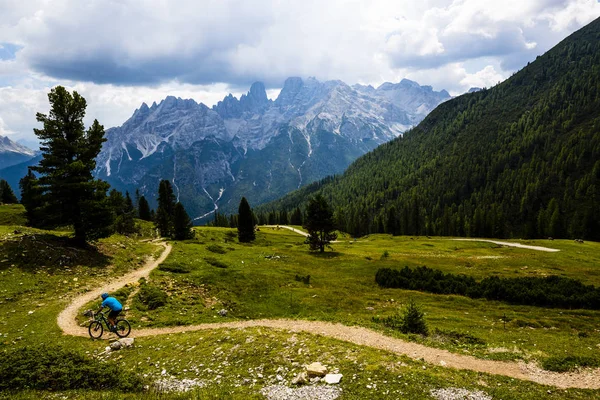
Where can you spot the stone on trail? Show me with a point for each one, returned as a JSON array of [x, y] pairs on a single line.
[[333, 378], [300, 379], [316, 369]]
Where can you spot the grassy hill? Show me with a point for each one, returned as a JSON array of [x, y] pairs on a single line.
[[521, 159], [40, 274]]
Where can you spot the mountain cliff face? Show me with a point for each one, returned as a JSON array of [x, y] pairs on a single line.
[[254, 146], [12, 153]]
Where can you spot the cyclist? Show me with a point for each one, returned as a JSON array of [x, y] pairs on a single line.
[[114, 306]]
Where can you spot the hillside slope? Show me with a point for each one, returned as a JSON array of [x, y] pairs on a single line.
[[519, 159]]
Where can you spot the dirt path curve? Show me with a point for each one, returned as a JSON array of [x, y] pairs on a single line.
[[586, 379], [67, 318], [519, 245], [298, 231]]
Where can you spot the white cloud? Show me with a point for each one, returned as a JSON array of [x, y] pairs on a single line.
[[121, 53]]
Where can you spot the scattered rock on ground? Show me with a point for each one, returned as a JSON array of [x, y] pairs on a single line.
[[333, 378], [316, 369], [119, 344], [279, 392], [223, 313], [459, 394], [177, 385], [300, 379]]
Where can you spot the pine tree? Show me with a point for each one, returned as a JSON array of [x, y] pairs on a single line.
[[70, 195], [166, 209], [31, 198], [296, 218], [319, 224], [144, 209], [7, 195], [125, 222], [245, 222], [182, 224]]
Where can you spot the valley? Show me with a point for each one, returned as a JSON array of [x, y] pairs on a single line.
[[273, 316]]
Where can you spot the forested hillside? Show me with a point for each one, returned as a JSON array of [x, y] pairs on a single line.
[[521, 159]]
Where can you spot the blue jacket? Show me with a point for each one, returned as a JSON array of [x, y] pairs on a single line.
[[112, 303]]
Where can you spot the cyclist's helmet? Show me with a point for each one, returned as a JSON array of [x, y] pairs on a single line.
[[104, 296]]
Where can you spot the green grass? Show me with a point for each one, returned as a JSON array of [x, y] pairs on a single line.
[[12, 214], [236, 364], [260, 282]]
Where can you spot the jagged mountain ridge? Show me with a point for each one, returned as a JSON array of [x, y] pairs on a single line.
[[254, 146], [12, 153]]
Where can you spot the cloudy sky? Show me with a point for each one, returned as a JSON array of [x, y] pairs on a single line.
[[119, 53]]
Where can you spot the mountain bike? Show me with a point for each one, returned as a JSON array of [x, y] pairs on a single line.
[[122, 327]]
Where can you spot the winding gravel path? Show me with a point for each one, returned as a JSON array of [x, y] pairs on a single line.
[[519, 245], [586, 379]]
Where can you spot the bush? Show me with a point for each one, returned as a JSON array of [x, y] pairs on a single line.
[[152, 296], [550, 291], [215, 263], [409, 319], [55, 368], [215, 248], [303, 279]]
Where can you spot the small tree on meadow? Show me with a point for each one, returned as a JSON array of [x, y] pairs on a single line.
[[413, 319], [144, 209], [319, 224], [166, 208], [182, 224], [245, 222], [7, 196], [31, 198]]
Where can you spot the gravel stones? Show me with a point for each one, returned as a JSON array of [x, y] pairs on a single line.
[[177, 385], [459, 394], [279, 392]]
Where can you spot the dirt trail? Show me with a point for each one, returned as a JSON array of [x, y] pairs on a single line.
[[519, 245], [586, 379], [66, 319]]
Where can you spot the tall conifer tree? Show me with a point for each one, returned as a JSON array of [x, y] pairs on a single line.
[[245, 222], [182, 224], [166, 208], [319, 223], [69, 193]]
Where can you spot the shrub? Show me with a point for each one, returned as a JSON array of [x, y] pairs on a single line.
[[55, 368], [215, 248], [152, 296], [303, 279], [215, 263], [385, 255], [550, 291], [409, 319]]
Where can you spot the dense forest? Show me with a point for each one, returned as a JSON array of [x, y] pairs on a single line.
[[521, 159]]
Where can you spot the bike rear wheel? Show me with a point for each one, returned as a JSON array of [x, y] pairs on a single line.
[[122, 328], [95, 330]]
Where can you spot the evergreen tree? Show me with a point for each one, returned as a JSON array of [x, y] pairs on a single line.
[[31, 198], [182, 224], [166, 208], [144, 209], [245, 222], [7, 195], [319, 223], [125, 222], [296, 218], [69, 193]]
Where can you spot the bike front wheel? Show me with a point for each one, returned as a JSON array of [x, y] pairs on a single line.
[[122, 328], [95, 329]]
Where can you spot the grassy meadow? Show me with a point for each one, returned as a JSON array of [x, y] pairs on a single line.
[[40, 273]]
